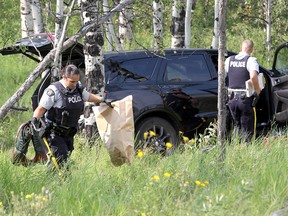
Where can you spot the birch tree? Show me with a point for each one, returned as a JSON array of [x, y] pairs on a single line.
[[222, 95], [188, 23], [215, 38], [177, 27], [26, 18], [125, 25], [58, 32], [110, 33], [157, 8], [268, 17], [38, 26], [94, 57], [59, 20]]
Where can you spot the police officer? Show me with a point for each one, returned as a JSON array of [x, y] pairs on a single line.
[[239, 69], [63, 103]]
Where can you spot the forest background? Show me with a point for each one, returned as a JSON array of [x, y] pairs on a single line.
[[187, 183]]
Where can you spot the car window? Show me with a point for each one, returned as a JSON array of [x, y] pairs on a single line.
[[133, 70], [192, 68], [282, 61]]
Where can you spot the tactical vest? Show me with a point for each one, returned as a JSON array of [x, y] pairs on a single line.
[[238, 73], [72, 107]]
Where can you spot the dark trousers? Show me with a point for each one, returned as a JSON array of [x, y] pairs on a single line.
[[243, 116], [61, 146]]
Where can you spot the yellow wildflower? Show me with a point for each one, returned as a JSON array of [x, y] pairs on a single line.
[[155, 178], [192, 141], [28, 196], [169, 145], [143, 214], [203, 185], [186, 183], [197, 182], [185, 139], [145, 135], [166, 174], [206, 182], [152, 133], [140, 153], [1, 203]]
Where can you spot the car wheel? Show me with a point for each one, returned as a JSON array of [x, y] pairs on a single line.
[[156, 135]]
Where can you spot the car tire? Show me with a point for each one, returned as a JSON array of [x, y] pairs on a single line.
[[158, 133]]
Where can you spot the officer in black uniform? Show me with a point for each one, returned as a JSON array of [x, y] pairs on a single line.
[[239, 69], [63, 103]]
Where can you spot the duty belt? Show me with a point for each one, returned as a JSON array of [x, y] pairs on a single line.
[[64, 131], [236, 93]]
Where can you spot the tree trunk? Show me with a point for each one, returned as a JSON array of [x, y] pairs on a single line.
[[222, 90], [26, 18], [37, 17], [125, 25], [57, 60], [188, 23], [215, 38], [94, 57], [157, 24], [268, 28], [177, 27], [110, 33], [59, 20], [48, 59]]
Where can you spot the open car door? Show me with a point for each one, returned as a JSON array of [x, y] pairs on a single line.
[[279, 83]]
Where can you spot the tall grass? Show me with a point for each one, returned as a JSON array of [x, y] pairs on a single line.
[[251, 181]]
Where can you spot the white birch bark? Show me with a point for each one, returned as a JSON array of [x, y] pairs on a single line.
[[188, 23], [222, 96], [125, 25], [109, 29], [94, 58], [268, 29], [215, 38], [58, 32], [59, 20], [58, 56], [157, 24], [37, 17], [178, 24], [26, 18]]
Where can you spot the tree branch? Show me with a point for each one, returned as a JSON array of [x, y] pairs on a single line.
[[51, 55]]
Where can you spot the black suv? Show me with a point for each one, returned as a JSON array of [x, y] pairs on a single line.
[[172, 92]]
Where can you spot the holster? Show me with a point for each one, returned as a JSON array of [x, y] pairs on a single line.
[[64, 131]]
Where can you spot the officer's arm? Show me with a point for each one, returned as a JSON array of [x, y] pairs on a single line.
[[254, 79], [94, 98], [39, 112]]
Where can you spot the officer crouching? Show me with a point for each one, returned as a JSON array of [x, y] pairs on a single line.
[[62, 103], [239, 69]]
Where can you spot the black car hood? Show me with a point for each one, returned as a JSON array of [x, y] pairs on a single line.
[[38, 46]]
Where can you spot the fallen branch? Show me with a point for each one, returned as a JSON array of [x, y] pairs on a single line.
[[49, 58]]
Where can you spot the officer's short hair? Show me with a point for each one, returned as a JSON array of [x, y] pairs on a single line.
[[70, 70]]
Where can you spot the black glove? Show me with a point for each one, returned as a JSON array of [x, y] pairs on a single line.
[[255, 99], [35, 122], [108, 102]]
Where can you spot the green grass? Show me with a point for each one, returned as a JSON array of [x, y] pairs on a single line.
[[251, 181]]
